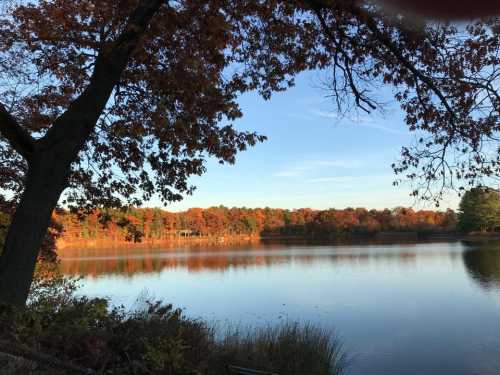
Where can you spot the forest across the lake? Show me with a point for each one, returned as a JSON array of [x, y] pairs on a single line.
[[154, 225]]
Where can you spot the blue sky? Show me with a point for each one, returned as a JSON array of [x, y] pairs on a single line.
[[312, 158]]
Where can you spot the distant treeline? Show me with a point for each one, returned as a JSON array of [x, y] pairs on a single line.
[[157, 224]]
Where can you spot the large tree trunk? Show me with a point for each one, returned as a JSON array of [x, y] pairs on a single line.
[[45, 181], [50, 157]]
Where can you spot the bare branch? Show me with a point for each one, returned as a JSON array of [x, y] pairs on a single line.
[[371, 23], [21, 351], [347, 69]]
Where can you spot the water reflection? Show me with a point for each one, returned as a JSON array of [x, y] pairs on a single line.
[[130, 262], [401, 309], [482, 261]]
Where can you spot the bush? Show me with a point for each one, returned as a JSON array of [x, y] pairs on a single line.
[[155, 338], [87, 333]]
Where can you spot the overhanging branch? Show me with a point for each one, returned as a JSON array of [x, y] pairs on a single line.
[[72, 128], [371, 24], [347, 68], [17, 137]]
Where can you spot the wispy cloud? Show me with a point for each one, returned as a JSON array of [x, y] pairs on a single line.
[[300, 116], [356, 118], [339, 163], [301, 169], [383, 128], [350, 179], [325, 114], [337, 179], [289, 173], [360, 120]]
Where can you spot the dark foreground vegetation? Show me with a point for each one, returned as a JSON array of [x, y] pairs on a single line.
[[154, 338]]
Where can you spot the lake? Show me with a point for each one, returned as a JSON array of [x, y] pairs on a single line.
[[406, 308]]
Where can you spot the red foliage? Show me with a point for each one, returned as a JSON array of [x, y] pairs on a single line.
[[158, 224]]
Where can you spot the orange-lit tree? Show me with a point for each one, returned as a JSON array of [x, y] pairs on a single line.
[[112, 102], [223, 221]]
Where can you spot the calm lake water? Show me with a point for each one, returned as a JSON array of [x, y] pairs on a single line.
[[410, 308]]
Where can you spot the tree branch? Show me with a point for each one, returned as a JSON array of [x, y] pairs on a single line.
[[347, 69], [372, 25], [370, 22], [17, 137], [72, 128], [21, 351]]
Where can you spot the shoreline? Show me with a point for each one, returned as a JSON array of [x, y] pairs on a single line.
[[63, 244]]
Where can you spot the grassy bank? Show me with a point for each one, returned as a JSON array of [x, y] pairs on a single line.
[[153, 338]]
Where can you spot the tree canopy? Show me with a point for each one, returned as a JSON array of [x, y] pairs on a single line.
[[176, 98], [157, 224], [113, 102], [480, 210]]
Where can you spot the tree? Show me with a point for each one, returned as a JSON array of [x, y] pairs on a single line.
[[112, 102], [77, 75], [480, 210], [446, 9], [445, 77]]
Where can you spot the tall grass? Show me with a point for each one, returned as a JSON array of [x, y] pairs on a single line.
[[154, 339], [289, 348]]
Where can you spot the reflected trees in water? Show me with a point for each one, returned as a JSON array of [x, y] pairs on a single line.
[[483, 264]]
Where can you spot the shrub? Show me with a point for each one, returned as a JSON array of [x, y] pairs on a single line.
[[156, 338]]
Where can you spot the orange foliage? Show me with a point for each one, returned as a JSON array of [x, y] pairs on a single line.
[[156, 224]]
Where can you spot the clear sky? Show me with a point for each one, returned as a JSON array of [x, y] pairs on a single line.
[[312, 158]]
